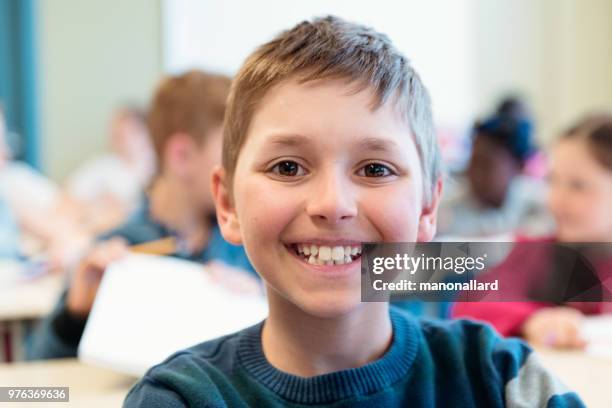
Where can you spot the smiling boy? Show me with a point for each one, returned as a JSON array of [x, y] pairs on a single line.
[[329, 143]]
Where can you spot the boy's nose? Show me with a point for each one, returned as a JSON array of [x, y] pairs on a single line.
[[333, 199]]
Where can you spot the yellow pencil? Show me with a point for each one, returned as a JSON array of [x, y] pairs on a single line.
[[164, 246]]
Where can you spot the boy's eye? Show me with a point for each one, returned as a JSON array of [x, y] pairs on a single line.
[[288, 168], [375, 170]]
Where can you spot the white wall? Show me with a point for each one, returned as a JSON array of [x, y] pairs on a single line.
[[470, 52], [94, 55], [556, 52], [218, 35]]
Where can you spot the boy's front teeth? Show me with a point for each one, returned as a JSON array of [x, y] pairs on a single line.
[[325, 255]]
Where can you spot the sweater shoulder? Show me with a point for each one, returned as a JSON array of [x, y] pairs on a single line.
[[218, 354], [467, 341], [198, 376], [476, 352]]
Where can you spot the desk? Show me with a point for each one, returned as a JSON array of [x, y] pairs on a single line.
[[90, 386], [21, 303], [587, 375], [29, 300]]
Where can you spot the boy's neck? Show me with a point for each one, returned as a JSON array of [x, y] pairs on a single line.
[[304, 345], [173, 206]]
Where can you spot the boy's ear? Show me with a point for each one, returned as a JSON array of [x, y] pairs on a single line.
[[429, 215], [226, 213]]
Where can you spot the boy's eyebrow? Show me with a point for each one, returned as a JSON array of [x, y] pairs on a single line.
[[378, 145], [289, 140], [367, 143]]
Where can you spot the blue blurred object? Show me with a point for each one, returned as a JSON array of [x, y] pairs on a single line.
[[513, 132], [19, 77]]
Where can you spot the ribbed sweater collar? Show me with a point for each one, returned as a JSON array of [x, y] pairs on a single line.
[[373, 377]]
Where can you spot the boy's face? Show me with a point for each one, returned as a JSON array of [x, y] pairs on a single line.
[[580, 194], [320, 168], [207, 157], [192, 163], [491, 171], [130, 138]]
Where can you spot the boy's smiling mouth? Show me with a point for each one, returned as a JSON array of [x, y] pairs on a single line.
[[325, 254]]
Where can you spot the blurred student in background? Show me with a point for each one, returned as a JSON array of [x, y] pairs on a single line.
[[580, 198], [185, 123], [9, 237], [109, 187], [38, 206], [514, 107], [494, 196]]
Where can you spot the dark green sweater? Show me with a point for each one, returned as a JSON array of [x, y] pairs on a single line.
[[445, 364]]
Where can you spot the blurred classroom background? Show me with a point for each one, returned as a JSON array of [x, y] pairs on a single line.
[[73, 60], [76, 82]]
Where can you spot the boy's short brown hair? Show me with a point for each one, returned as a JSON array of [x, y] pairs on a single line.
[[331, 48], [192, 103], [596, 130]]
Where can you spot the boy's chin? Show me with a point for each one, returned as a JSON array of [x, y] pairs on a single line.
[[330, 306]]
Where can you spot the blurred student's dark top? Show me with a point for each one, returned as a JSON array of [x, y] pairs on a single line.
[[58, 336]]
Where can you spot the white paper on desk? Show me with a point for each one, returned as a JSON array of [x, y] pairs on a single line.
[[597, 331], [148, 307]]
